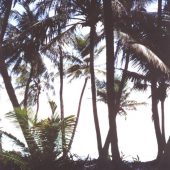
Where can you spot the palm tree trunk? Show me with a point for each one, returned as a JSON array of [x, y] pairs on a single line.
[[61, 102], [156, 118], [1, 149], [12, 96], [27, 88], [168, 5], [11, 93], [37, 100], [164, 163], [108, 138], [163, 123], [162, 96], [154, 96], [93, 84], [110, 61], [78, 114], [159, 13], [7, 81], [3, 67]]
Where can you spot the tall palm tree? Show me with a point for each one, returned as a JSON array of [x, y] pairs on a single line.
[[143, 31], [26, 58], [108, 13], [57, 26], [4, 72], [110, 62], [80, 64], [92, 23], [84, 9], [5, 12]]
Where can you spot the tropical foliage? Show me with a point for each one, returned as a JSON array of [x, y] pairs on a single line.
[[44, 42]]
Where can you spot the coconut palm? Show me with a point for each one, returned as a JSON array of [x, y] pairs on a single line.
[[85, 9], [144, 38], [38, 35], [140, 49], [6, 9], [92, 23], [59, 24], [110, 62], [27, 59], [108, 13], [5, 12], [80, 64]]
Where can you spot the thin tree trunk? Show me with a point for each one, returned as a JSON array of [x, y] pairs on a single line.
[[156, 118], [37, 100], [3, 67], [159, 13], [110, 61], [11, 93], [27, 88], [108, 138], [163, 123], [168, 5], [93, 84], [1, 149], [62, 103], [78, 114]]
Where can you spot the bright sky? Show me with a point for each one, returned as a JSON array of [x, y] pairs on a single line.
[[136, 134]]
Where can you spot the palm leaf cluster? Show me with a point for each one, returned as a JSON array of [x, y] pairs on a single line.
[[45, 133]]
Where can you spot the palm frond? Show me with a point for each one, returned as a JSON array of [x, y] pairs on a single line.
[[19, 115], [143, 52], [16, 141], [15, 158]]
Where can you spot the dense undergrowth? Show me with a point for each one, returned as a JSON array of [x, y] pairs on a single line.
[[76, 163]]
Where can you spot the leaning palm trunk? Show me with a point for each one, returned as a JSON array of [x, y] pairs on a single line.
[[117, 106], [110, 61], [78, 114], [8, 85], [3, 67], [156, 118], [93, 85]]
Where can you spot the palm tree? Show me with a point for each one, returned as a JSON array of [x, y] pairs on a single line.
[[26, 58], [110, 62], [48, 136], [4, 72], [78, 68], [6, 9], [85, 9], [144, 31], [80, 64], [92, 22]]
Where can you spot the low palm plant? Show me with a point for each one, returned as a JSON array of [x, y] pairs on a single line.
[[48, 137]]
